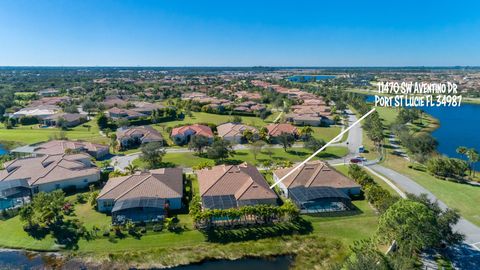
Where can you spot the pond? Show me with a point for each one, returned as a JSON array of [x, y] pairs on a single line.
[[309, 78], [3, 151], [459, 126], [275, 263], [17, 259]]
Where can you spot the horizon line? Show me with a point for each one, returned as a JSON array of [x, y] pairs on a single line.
[[239, 66]]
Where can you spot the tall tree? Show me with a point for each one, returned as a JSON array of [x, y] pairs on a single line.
[[256, 148], [198, 143], [286, 140], [152, 154]]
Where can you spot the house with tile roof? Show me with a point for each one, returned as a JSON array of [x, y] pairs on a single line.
[[182, 135], [277, 129], [118, 113], [134, 136], [143, 196], [47, 173], [233, 132], [317, 187], [230, 186], [70, 119], [58, 147]]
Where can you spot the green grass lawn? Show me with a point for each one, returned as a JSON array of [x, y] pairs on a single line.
[[34, 134], [463, 197], [190, 159], [326, 133]]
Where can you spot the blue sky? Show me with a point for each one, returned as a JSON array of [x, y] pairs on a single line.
[[239, 33]]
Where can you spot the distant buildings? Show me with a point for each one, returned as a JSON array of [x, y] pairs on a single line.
[[41, 111], [116, 113], [230, 186], [69, 119], [49, 92], [182, 135], [316, 187], [142, 197]]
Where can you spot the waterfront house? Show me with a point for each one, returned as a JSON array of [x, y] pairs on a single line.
[[57, 147], [230, 186], [143, 196], [317, 187], [48, 173]]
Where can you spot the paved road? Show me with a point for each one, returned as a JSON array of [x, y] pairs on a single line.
[[465, 256], [471, 231]]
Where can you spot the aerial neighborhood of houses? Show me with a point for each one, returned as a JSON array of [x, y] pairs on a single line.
[[144, 195], [183, 160]]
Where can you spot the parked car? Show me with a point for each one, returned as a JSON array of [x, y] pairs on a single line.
[[355, 160], [107, 169]]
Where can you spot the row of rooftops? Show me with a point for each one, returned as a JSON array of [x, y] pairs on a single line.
[[242, 182]]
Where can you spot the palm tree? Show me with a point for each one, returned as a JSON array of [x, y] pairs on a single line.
[[462, 150], [131, 168], [306, 132], [473, 157]]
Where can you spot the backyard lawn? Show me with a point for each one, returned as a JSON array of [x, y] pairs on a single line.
[[34, 134], [190, 159]]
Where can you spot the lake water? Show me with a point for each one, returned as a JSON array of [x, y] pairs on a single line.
[[459, 126], [3, 151], [13, 259], [276, 263], [16, 259], [307, 78]]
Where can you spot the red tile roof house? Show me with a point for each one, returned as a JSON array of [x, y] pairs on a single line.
[[142, 197], [230, 186], [233, 132], [48, 173], [181, 135], [317, 187], [134, 136], [275, 130]]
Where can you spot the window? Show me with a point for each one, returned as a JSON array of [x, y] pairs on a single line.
[[108, 204]]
